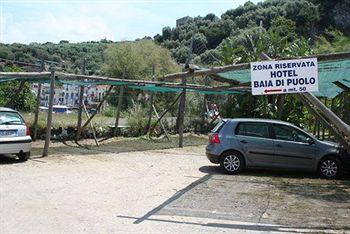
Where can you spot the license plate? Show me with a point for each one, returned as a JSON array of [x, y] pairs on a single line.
[[5, 133]]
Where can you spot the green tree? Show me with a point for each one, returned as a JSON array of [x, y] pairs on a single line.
[[166, 33], [24, 101], [139, 58]]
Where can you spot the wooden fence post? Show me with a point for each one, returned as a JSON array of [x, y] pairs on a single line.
[[36, 117], [80, 107], [346, 106], [148, 127], [323, 127], [49, 114], [120, 102], [181, 114], [343, 127], [182, 104]]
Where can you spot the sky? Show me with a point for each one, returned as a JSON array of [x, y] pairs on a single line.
[[26, 21]]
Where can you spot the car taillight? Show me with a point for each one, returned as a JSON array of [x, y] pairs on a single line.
[[27, 130], [214, 138]]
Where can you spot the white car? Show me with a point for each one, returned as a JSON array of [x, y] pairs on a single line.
[[14, 134]]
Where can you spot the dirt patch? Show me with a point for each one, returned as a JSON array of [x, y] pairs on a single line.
[[119, 188]]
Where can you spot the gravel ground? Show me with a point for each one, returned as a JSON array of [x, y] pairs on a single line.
[[116, 189]]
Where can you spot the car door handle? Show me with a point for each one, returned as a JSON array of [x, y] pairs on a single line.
[[279, 145], [244, 141]]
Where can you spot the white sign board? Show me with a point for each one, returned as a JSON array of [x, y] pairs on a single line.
[[284, 76]]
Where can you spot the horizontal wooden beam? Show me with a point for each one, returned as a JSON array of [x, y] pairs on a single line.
[[241, 66]]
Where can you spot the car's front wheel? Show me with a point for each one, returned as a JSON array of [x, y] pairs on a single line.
[[232, 162], [330, 168], [23, 156]]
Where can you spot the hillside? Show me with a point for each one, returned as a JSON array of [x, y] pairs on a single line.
[[311, 19], [217, 39], [69, 55]]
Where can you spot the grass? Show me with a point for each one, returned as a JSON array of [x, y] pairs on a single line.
[[66, 120], [118, 145]]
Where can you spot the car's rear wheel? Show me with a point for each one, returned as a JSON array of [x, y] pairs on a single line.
[[23, 156], [232, 162], [330, 168]]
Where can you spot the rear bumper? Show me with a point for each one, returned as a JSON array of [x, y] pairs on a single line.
[[10, 146], [213, 158]]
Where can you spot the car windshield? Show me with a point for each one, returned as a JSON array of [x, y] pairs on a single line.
[[218, 126], [8, 118]]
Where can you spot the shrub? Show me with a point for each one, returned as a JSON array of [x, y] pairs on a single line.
[[137, 119], [109, 111]]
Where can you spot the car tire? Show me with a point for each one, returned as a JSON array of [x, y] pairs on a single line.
[[330, 168], [232, 162], [23, 156]]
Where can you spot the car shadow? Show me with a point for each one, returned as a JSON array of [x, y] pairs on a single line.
[[300, 183], [259, 200], [9, 159], [272, 173]]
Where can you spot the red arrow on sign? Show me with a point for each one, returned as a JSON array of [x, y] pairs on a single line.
[[272, 90]]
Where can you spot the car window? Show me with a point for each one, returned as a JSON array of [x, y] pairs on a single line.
[[10, 118], [218, 126], [287, 133], [253, 129]]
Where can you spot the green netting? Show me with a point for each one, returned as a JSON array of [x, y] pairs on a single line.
[[328, 72], [77, 82], [146, 87], [221, 92], [153, 88]]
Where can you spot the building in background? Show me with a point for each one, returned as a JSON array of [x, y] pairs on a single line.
[[182, 21], [68, 95]]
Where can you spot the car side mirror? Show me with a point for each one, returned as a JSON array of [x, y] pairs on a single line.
[[310, 141]]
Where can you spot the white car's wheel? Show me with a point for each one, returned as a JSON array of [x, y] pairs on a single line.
[[23, 156]]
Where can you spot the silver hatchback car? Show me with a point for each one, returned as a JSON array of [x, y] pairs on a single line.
[[239, 143], [14, 134]]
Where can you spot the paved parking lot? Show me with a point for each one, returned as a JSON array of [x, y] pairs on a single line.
[[174, 190]]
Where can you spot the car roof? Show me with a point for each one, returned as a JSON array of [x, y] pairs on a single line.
[[260, 120], [7, 109]]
